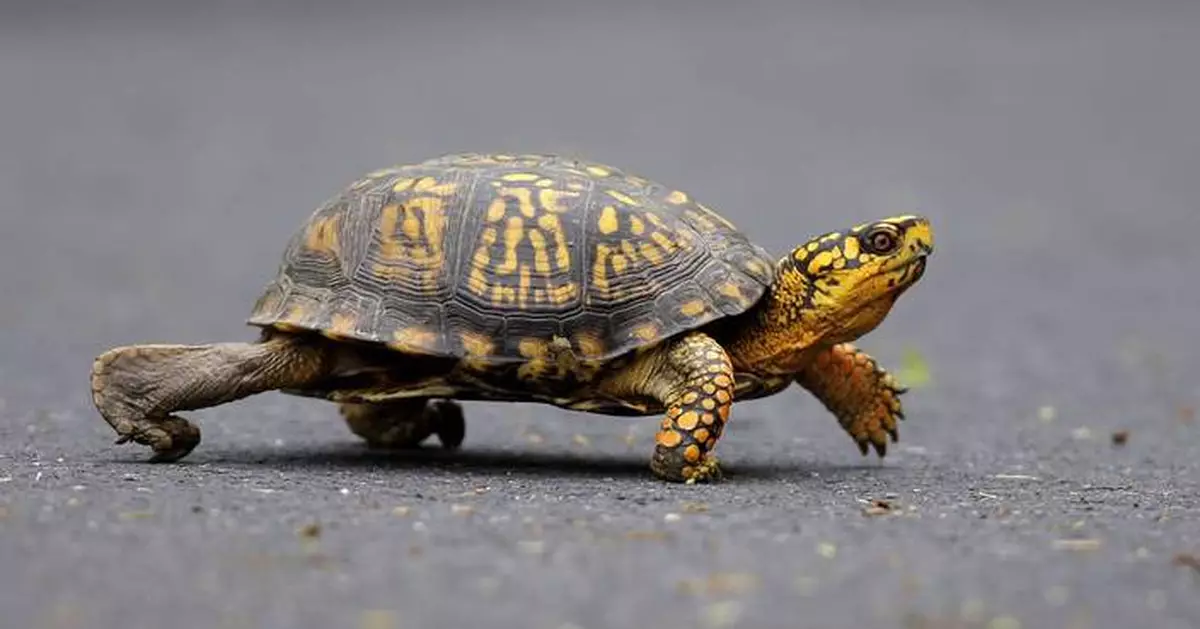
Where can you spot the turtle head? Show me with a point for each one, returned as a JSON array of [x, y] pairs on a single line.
[[842, 284], [834, 289]]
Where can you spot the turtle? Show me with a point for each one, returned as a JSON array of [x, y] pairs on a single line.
[[547, 279]]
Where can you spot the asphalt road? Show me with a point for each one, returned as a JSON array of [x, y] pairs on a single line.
[[154, 160]]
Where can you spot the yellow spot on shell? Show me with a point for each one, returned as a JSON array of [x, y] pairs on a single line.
[[541, 261], [700, 220], [520, 177], [477, 282], [646, 331], [729, 289], [476, 344], [411, 225], [598, 171], [496, 210], [532, 347], [662, 240], [340, 325], [677, 197], [589, 344], [562, 293], [608, 220], [544, 183], [622, 197], [562, 255], [637, 226], [402, 185], [650, 252], [619, 263], [429, 185], [692, 308], [322, 236], [514, 232], [600, 268], [552, 200], [412, 339]]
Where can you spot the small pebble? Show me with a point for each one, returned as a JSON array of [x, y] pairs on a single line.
[[672, 517], [826, 550]]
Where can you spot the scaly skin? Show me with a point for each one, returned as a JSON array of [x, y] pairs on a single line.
[[863, 397]]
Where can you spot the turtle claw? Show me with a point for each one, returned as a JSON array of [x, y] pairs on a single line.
[[171, 438]]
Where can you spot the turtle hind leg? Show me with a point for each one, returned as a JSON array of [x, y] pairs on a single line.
[[137, 388], [404, 424]]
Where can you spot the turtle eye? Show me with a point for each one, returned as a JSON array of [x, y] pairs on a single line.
[[882, 240]]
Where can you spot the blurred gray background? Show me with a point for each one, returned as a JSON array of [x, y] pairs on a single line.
[[154, 158]]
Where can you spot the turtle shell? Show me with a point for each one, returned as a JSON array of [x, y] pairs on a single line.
[[494, 256]]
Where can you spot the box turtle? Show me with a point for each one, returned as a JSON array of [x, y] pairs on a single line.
[[538, 278]]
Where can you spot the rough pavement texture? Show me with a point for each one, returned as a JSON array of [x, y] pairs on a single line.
[[154, 160]]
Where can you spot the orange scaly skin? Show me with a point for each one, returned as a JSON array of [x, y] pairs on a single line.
[[864, 398], [696, 411]]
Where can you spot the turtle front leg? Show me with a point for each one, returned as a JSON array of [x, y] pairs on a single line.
[[404, 424], [862, 395], [137, 388], [693, 379]]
